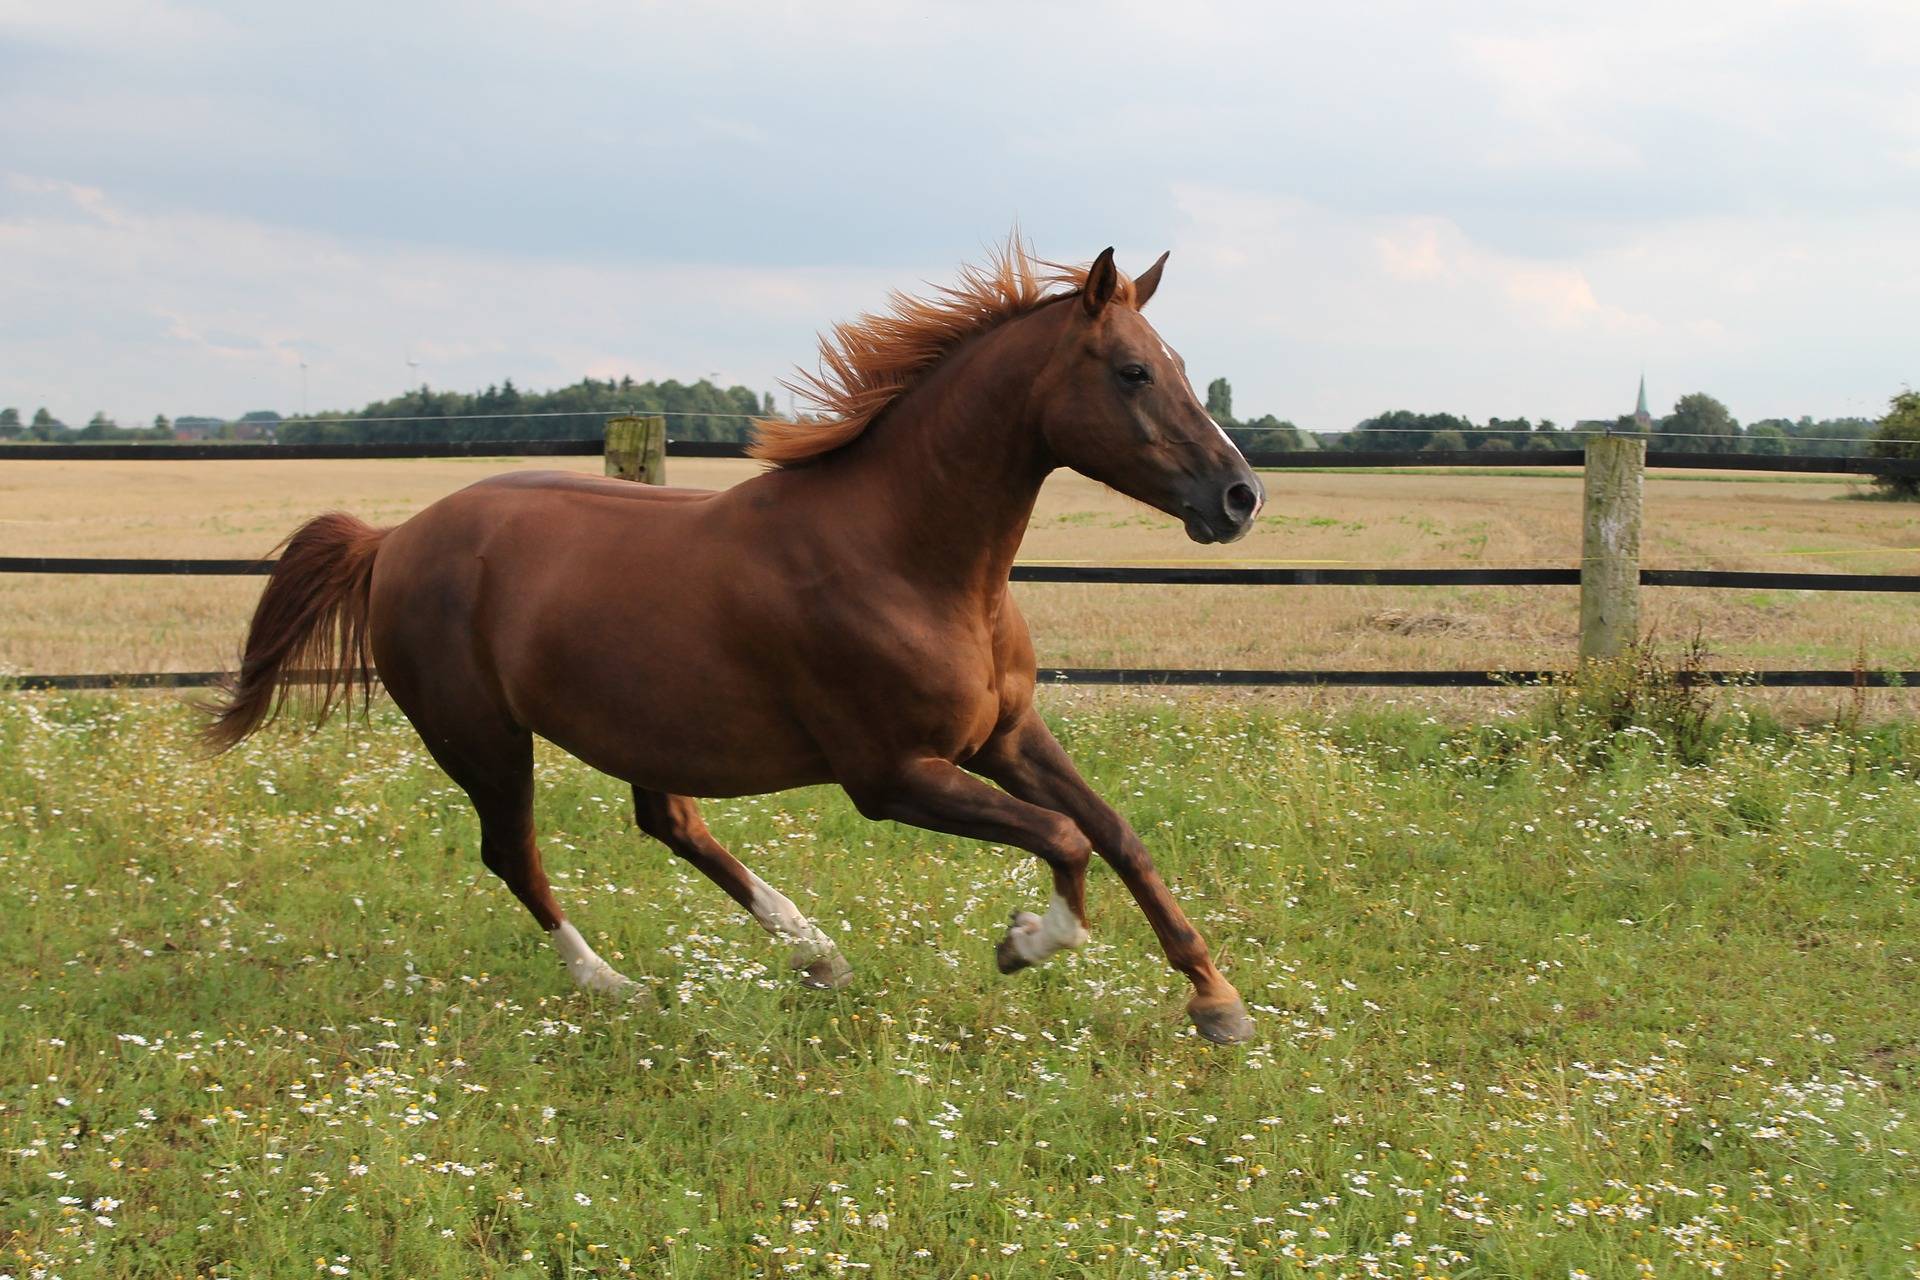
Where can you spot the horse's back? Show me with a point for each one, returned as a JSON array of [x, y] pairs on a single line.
[[603, 486], [631, 624]]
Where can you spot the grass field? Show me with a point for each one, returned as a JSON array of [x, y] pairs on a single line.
[[1520, 1017], [242, 508]]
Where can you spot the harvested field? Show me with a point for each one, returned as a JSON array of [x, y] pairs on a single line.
[[1694, 520]]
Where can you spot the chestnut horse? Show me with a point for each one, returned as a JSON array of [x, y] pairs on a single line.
[[843, 616]]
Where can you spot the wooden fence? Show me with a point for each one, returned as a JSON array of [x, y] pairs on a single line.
[[1609, 575]]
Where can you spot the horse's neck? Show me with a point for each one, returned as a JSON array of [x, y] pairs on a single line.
[[949, 477]]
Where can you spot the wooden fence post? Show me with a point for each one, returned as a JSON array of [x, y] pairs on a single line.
[[637, 449], [1616, 473]]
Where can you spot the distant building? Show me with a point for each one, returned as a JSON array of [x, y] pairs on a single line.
[[1642, 420], [258, 425], [192, 428]]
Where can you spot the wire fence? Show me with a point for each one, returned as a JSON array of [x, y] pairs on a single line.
[[1270, 459]]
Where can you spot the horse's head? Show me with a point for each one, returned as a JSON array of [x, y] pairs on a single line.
[[1115, 405]]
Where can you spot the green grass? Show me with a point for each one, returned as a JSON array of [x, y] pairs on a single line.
[[268, 1016]]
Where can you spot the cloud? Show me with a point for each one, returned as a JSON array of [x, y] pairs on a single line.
[[137, 313], [1327, 317]]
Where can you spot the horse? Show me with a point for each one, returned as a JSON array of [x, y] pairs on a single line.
[[841, 617]]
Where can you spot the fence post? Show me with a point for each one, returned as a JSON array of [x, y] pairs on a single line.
[[637, 449], [1616, 471]]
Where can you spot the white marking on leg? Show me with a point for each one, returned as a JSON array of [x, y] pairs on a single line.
[[779, 917], [590, 972], [1034, 938]]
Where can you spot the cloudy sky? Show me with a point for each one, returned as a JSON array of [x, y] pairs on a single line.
[[1498, 208]]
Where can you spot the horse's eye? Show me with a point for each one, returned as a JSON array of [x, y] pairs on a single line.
[[1136, 374]]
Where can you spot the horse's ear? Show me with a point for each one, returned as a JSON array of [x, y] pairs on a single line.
[[1103, 278], [1147, 281]]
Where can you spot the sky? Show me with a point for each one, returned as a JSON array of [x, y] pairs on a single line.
[[1485, 208]]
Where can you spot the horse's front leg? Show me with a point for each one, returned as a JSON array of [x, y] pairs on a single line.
[[936, 794], [1030, 763]]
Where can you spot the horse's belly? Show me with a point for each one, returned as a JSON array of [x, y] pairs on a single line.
[[657, 697], [663, 744]]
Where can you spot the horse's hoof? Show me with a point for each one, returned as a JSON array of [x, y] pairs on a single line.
[[607, 982], [829, 972], [1006, 959], [1225, 1022], [1007, 956]]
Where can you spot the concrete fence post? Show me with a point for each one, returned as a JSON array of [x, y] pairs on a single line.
[[637, 449], [1616, 473]]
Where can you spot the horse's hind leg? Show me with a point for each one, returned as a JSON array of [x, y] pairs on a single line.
[[492, 760], [675, 822]]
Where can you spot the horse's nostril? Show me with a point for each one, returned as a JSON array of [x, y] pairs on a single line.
[[1241, 501]]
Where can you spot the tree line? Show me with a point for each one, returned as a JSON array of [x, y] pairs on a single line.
[[694, 411], [704, 411], [1698, 424]]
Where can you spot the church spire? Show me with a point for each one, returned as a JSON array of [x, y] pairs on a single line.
[[1640, 414]]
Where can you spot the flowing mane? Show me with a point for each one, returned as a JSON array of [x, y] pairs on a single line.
[[868, 363]]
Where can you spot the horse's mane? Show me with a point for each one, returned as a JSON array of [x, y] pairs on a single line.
[[868, 363]]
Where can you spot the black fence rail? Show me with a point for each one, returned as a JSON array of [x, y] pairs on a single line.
[[1196, 576], [1316, 459]]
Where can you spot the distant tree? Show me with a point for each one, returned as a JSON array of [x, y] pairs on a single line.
[[699, 411], [1403, 430], [10, 427], [162, 429], [766, 405], [1220, 401], [1899, 437], [46, 426], [1268, 434], [1699, 424], [1445, 441], [1766, 439], [1548, 435], [1841, 437], [99, 427]]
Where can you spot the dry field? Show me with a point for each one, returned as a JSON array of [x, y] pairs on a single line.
[[61, 623]]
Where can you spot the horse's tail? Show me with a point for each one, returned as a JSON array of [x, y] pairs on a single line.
[[309, 631]]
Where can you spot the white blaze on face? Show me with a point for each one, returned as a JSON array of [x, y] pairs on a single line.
[[590, 972], [779, 917], [1034, 938], [1173, 362]]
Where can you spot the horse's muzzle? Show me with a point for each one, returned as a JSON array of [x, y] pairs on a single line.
[[1223, 513]]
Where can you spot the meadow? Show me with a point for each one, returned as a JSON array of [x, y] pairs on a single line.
[[1533, 1003], [1694, 520]]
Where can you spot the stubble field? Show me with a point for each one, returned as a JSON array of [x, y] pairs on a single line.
[[240, 509]]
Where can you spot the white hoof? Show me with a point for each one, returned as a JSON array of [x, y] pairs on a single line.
[[826, 973], [604, 980], [1030, 938], [588, 970]]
